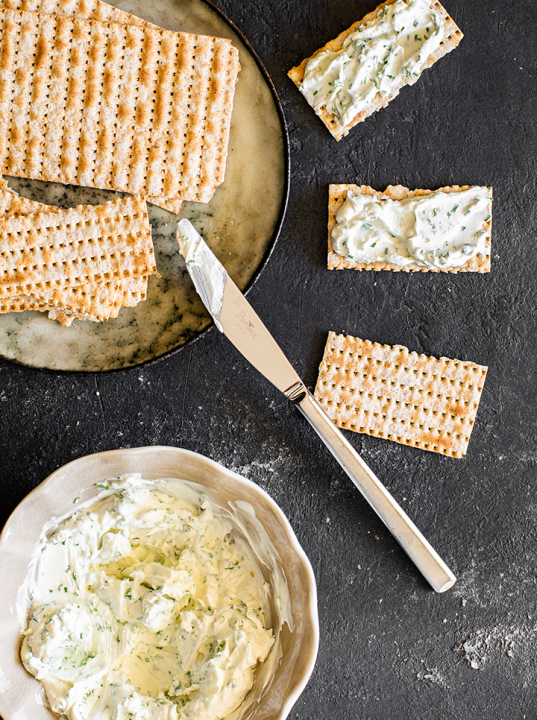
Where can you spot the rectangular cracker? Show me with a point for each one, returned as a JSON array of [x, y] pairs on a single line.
[[337, 196], [89, 10], [95, 301], [122, 107], [452, 38], [47, 252], [399, 395]]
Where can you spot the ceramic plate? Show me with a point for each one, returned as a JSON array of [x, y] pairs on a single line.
[[20, 693], [240, 224]]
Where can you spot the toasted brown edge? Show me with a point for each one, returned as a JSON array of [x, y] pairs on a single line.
[[337, 195], [450, 42]]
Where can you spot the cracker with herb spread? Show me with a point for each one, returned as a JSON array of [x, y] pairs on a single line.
[[478, 254], [371, 66], [392, 393]]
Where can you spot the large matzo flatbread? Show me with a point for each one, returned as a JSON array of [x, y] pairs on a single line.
[[337, 196], [122, 107], [89, 10], [452, 38], [398, 395]]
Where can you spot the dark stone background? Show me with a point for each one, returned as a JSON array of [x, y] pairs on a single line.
[[390, 647]]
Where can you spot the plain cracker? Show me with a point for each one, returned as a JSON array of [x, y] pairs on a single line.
[[121, 107], [96, 301], [337, 196], [399, 395], [89, 10], [452, 38], [43, 252]]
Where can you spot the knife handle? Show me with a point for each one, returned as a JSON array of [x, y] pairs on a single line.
[[396, 520]]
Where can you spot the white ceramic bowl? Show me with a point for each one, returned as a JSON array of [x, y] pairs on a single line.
[[21, 694]]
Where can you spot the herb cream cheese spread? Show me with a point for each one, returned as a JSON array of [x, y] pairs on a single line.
[[438, 230], [377, 58], [148, 603]]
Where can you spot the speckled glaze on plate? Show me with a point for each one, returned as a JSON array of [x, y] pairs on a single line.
[[241, 224], [21, 694]]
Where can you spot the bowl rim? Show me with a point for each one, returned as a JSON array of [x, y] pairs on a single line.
[[311, 602]]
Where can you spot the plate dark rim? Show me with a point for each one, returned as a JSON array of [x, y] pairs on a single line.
[[268, 252]]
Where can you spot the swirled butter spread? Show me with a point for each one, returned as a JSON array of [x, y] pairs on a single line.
[[147, 603], [377, 58], [439, 230]]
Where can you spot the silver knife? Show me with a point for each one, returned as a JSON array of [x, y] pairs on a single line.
[[235, 317]]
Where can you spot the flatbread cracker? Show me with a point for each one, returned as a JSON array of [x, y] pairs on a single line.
[[337, 196], [149, 114], [452, 38], [89, 10], [84, 9], [44, 253], [96, 302], [392, 393]]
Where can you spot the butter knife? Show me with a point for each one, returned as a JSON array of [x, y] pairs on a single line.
[[235, 317]]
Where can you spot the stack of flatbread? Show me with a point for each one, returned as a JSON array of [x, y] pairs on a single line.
[[93, 96], [84, 263]]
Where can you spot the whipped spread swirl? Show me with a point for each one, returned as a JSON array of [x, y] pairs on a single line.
[[147, 603], [377, 58], [438, 230]]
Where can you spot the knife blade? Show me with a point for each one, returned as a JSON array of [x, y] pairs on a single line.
[[235, 317]]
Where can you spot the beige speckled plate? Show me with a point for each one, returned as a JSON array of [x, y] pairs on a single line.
[[240, 224], [21, 694]]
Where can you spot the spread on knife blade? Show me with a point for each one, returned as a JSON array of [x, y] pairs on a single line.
[[208, 275]]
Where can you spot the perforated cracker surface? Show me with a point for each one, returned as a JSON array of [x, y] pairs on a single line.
[[84, 9], [88, 10], [42, 252], [95, 301], [122, 107], [398, 395], [337, 196], [452, 37]]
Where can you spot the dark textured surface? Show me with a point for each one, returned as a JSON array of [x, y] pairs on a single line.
[[390, 647]]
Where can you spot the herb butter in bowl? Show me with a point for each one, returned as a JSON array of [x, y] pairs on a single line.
[[174, 590]]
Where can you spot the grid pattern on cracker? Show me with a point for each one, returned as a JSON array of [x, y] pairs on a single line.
[[114, 106], [46, 251], [399, 395], [89, 10], [337, 196], [452, 37], [96, 301], [84, 9]]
